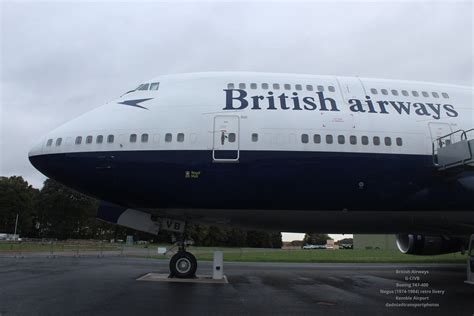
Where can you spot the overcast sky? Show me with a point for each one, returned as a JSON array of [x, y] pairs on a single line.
[[59, 60]]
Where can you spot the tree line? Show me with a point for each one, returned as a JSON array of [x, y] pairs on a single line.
[[58, 212]]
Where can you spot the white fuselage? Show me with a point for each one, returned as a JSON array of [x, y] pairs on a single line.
[[288, 135]]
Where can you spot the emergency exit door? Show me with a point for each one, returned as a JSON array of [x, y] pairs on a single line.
[[226, 141]]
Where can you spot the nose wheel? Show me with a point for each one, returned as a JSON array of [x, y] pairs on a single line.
[[183, 265]]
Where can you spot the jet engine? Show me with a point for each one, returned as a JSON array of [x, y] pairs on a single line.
[[423, 245]]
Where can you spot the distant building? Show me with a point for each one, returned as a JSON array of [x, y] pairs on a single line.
[[330, 244], [383, 242]]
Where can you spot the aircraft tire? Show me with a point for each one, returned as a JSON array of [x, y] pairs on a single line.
[[183, 265]]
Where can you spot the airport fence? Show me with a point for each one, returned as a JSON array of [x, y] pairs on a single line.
[[54, 248], [82, 248]]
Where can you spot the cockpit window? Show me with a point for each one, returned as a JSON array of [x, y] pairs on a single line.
[[146, 86], [154, 85], [143, 86]]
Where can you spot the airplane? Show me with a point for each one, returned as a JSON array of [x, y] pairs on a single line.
[[283, 152]]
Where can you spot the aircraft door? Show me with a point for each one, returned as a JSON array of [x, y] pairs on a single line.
[[226, 142], [438, 130], [351, 88]]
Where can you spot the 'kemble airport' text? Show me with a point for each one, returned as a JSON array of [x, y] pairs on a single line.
[[238, 99]]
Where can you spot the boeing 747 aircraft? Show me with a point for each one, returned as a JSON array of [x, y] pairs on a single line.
[[283, 152]]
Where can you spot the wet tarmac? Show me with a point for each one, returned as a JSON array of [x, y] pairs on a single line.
[[109, 286]]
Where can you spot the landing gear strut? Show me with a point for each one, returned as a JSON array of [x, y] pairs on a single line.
[[183, 264]]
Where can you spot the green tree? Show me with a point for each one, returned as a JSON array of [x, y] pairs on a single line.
[[297, 243], [276, 240], [204, 235], [316, 239], [236, 238], [348, 241], [64, 213], [17, 197], [258, 239]]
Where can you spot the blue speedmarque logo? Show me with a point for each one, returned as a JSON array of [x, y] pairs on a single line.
[[135, 103]]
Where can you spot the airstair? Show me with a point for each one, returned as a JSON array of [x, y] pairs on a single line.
[[454, 150]]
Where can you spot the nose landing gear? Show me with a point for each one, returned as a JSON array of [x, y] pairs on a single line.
[[183, 264]]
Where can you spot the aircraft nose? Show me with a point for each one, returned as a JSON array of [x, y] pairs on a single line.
[[36, 156], [36, 149]]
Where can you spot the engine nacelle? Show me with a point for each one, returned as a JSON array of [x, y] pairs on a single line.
[[422, 245]]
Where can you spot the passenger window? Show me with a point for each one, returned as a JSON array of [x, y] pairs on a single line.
[[253, 86], [154, 85], [384, 91], [320, 88], [399, 141], [276, 86], [230, 86], [180, 137], [376, 140], [415, 93], [329, 139], [365, 140], [231, 137], [298, 87], [425, 94], [405, 92], [241, 85], [388, 141], [58, 141], [49, 143], [304, 138], [309, 87], [395, 92], [331, 89], [143, 87], [168, 137], [89, 140], [445, 95], [353, 140], [100, 139], [435, 94], [254, 137], [133, 138], [265, 86], [317, 138], [287, 86], [341, 139], [373, 91], [78, 140], [110, 139], [144, 138]]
